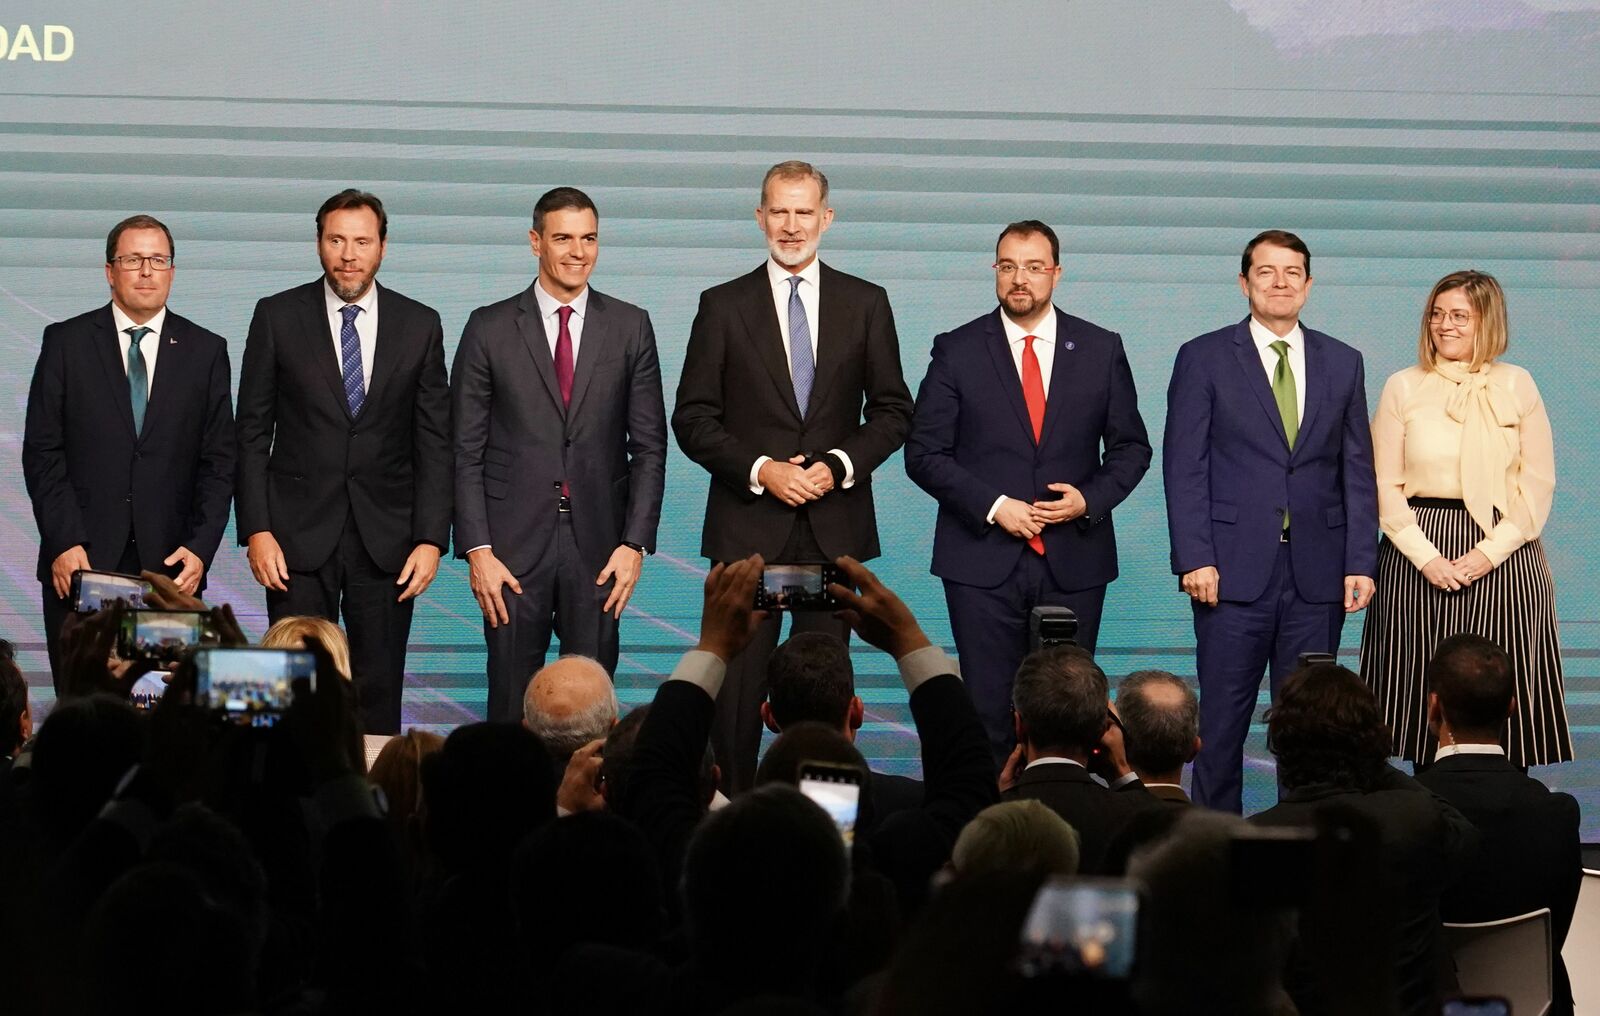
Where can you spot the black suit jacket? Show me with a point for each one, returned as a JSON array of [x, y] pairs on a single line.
[[1096, 812], [515, 442], [92, 480], [305, 464], [736, 403], [1529, 853]]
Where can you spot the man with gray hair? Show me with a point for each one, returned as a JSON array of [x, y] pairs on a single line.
[[1160, 717], [568, 704]]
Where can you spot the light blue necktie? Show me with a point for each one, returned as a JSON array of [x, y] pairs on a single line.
[[138, 379], [802, 364], [355, 389]]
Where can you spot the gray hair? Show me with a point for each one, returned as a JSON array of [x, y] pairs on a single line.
[[563, 735], [794, 169], [1022, 835]]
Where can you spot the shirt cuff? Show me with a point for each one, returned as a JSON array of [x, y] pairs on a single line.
[[481, 546], [755, 471], [849, 468], [989, 518], [921, 665], [1415, 545], [702, 669], [1502, 541]]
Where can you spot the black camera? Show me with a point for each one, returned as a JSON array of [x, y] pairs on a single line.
[[1052, 626]]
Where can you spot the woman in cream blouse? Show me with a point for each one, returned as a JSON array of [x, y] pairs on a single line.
[[1466, 468]]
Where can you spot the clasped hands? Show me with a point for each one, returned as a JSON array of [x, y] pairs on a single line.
[[1025, 521], [793, 482], [1443, 573]]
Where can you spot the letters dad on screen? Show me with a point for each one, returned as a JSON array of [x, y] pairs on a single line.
[[49, 43]]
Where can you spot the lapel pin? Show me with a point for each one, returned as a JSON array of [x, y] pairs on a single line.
[[1072, 345]]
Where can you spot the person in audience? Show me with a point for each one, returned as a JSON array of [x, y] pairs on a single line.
[[810, 678], [569, 703], [16, 718], [1064, 725], [1023, 835], [616, 766], [1160, 717], [291, 633], [397, 771], [1529, 854], [1332, 751]]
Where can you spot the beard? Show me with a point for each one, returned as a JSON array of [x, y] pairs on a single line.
[[349, 293], [791, 259], [1020, 303]]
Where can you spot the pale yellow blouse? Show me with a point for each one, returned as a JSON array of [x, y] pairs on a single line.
[[1416, 450]]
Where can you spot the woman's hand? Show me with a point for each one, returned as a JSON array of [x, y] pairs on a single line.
[[1445, 574], [1474, 564]]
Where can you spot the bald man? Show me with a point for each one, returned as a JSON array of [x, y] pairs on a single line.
[[568, 704], [1160, 728]]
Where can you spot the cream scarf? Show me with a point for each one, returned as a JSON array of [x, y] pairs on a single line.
[[1485, 407]]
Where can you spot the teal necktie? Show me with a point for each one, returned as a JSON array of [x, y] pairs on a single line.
[[138, 379]]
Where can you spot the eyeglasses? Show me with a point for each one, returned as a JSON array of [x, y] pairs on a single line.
[[1459, 318], [136, 262], [1006, 269]]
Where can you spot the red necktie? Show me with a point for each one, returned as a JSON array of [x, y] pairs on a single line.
[[1033, 395]]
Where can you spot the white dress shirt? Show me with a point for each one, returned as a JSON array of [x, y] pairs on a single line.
[[810, 282], [1446, 750], [548, 312], [1050, 760], [366, 328], [149, 346], [1297, 358], [1044, 349]]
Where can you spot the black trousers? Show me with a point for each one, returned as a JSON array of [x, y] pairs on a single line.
[[56, 609], [351, 583], [559, 597]]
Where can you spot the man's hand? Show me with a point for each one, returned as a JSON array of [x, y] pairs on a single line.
[[417, 575], [194, 569], [1443, 573], [820, 476], [266, 561], [1018, 518], [875, 613], [1201, 585], [74, 558], [1358, 590], [1110, 762], [323, 722], [624, 566], [787, 482], [729, 618], [487, 575], [1012, 770], [580, 784], [1068, 507], [164, 594], [1475, 564], [88, 660]]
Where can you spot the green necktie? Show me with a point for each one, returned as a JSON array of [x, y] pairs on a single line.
[[138, 383], [1283, 393]]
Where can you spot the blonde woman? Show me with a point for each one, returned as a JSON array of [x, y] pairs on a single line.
[[291, 633], [1465, 465]]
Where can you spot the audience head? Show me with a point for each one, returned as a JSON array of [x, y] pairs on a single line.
[[1060, 700], [398, 771], [16, 718], [1160, 723], [1470, 688], [816, 742], [83, 750], [291, 633], [616, 764], [482, 792], [1325, 729], [588, 878], [1023, 835], [810, 678], [568, 704], [1204, 951]]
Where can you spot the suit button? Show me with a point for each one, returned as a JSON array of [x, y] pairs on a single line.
[[353, 476], [1280, 511], [353, 432], [129, 499], [137, 456], [1291, 470], [569, 442]]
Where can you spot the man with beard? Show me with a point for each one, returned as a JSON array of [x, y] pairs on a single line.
[[1028, 434], [791, 397], [345, 477]]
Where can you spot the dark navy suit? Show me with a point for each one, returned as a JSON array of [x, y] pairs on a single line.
[[1230, 475], [971, 441]]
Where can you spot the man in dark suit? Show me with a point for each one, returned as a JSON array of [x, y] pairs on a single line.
[[1008, 437], [791, 397], [344, 451], [561, 450], [1529, 854], [1063, 727], [128, 450], [1271, 500], [1160, 718]]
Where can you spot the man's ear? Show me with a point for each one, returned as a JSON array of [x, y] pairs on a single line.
[[1018, 727], [1435, 713], [766, 707], [1512, 709], [857, 714], [1194, 749]]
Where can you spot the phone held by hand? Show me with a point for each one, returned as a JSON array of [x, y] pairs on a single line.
[[1476, 1005], [249, 685], [1081, 927], [837, 789], [97, 590], [797, 587], [163, 637]]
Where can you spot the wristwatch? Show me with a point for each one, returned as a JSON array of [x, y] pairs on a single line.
[[635, 547]]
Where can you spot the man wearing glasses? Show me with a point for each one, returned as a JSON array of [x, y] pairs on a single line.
[[128, 449], [1027, 432]]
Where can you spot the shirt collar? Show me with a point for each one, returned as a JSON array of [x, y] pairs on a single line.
[[1264, 337], [1446, 750], [1045, 333], [367, 303], [124, 322], [548, 304], [779, 275], [1045, 760]]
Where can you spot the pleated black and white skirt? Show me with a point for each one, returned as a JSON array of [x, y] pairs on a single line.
[[1513, 606]]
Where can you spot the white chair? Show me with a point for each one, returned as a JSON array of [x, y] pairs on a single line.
[[1582, 947], [1509, 957]]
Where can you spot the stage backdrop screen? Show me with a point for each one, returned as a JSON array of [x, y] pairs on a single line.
[[1403, 140]]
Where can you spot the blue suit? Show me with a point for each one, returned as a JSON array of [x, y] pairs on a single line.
[[971, 441], [1230, 475]]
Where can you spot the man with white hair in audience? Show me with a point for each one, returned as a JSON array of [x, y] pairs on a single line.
[[569, 703]]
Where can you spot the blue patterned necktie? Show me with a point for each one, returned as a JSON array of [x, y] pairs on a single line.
[[802, 364], [355, 389], [138, 379]]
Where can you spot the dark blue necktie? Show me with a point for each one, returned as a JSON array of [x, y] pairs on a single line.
[[138, 379], [802, 364], [355, 389]]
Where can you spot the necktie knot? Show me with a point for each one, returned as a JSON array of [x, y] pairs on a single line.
[[1280, 347], [350, 311], [794, 285], [564, 312], [138, 333]]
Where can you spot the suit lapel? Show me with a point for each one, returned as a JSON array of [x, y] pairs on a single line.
[[1316, 383], [832, 325], [994, 340], [111, 355], [590, 351], [1061, 366], [168, 362], [316, 332], [1255, 378], [386, 348], [530, 325], [761, 322]]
